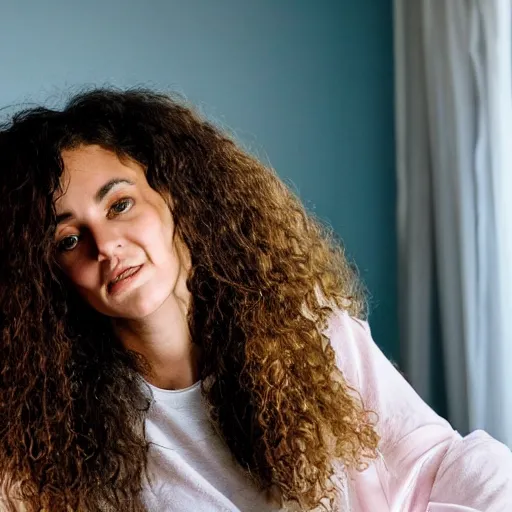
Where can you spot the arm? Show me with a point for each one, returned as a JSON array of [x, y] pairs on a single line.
[[424, 463]]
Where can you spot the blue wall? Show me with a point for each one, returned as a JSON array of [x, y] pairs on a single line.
[[307, 85]]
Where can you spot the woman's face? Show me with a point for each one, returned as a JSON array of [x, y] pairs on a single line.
[[115, 236]]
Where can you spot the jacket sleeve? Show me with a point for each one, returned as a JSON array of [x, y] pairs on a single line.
[[424, 464]]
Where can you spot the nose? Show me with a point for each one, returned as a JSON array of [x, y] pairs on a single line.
[[107, 241]]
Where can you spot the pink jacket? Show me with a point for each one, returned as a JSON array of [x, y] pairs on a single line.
[[425, 465]]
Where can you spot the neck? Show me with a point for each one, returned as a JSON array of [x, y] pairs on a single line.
[[163, 339]]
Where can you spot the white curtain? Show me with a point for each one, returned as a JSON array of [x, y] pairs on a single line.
[[454, 165]]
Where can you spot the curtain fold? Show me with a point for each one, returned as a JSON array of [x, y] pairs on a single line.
[[453, 101]]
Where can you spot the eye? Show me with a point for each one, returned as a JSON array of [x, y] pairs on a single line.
[[121, 206], [68, 243]]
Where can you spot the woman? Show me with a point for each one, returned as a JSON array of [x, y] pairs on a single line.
[[178, 334]]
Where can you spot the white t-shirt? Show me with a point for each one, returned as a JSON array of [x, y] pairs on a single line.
[[189, 465], [423, 464]]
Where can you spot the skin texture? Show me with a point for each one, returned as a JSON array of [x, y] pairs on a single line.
[[132, 225]]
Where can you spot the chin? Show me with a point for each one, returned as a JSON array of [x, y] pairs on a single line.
[[142, 305]]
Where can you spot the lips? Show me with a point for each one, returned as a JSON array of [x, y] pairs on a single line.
[[124, 274]]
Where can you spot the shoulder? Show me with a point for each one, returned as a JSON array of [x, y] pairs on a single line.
[[353, 346]]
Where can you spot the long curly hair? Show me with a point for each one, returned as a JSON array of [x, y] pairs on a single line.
[[265, 278]]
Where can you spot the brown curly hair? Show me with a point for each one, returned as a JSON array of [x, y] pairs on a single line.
[[265, 278]]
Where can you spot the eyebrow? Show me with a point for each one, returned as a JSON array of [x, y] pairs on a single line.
[[99, 196]]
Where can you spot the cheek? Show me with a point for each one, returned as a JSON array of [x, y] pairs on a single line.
[[82, 275], [157, 236]]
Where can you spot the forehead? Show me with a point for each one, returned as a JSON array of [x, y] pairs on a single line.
[[87, 168], [97, 160]]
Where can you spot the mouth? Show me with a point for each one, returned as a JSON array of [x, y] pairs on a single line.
[[122, 279]]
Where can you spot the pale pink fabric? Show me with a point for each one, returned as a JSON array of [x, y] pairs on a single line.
[[425, 466]]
